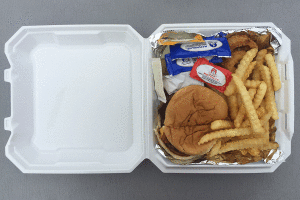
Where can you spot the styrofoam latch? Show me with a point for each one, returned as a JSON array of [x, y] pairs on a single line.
[[7, 124], [7, 75]]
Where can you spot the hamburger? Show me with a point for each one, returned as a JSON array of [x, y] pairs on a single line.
[[188, 116]]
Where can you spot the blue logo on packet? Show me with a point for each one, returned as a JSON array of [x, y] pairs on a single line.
[[212, 47], [213, 44], [177, 66]]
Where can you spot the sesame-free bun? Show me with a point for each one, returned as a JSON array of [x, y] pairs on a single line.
[[188, 117]]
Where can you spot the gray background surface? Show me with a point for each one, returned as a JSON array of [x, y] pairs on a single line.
[[147, 181]]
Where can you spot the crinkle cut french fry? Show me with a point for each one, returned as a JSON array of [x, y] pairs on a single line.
[[249, 71], [214, 150], [260, 112], [241, 69], [251, 112], [260, 94], [233, 106], [239, 100], [236, 56], [263, 102], [221, 124], [265, 118], [274, 72], [270, 145], [252, 83], [270, 97], [256, 75], [225, 133], [242, 144], [267, 127], [241, 114], [260, 57], [254, 151]]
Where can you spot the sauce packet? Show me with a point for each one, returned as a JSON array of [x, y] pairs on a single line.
[[211, 46], [213, 75], [180, 65], [172, 38]]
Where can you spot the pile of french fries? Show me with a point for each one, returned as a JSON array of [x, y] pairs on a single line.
[[249, 135]]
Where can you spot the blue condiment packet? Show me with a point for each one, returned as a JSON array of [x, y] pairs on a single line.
[[180, 65], [211, 47]]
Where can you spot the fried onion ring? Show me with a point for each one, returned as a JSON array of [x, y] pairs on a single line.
[[236, 57], [236, 41]]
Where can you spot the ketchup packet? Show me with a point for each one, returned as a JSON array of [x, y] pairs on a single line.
[[214, 76]]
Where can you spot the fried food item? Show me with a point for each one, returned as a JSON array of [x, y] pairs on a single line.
[[260, 57], [252, 83], [230, 63], [265, 118], [240, 71], [274, 72], [233, 106], [256, 74], [272, 134], [214, 151], [270, 145], [260, 94], [251, 113], [239, 100], [239, 41], [221, 124], [224, 133], [263, 41], [188, 117], [270, 97], [263, 102], [271, 51], [242, 144], [241, 114], [254, 151], [249, 71], [260, 112]]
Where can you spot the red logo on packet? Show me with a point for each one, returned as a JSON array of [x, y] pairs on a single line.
[[213, 71], [213, 75]]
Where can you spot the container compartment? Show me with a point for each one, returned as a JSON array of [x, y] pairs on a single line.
[[284, 100]]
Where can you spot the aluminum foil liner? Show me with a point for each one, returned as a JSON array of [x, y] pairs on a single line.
[[276, 37], [274, 156]]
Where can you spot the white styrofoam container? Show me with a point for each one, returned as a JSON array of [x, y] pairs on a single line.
[[82, 100]]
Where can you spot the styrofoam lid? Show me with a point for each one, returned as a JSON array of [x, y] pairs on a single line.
[[76, 99]]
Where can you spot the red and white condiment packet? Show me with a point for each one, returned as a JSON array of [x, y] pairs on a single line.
[[213, 75]]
